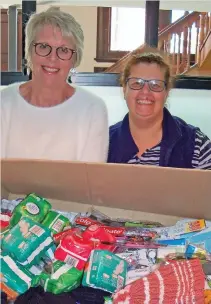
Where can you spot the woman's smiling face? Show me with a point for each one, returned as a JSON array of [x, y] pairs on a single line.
[[51, 70], [144, 103]]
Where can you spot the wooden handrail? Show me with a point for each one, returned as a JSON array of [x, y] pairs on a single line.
[[176, 27], [179, 25]]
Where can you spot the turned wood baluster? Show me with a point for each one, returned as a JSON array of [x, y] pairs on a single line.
[[201, 36], [189, 47], [174, 53], [197, 39], [169, 49], [184, 51], [206, 18], [178, 53]]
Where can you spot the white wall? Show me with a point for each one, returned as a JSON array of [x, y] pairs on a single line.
[[193, 106]]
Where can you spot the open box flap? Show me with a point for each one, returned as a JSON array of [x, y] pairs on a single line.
[[175, 192]]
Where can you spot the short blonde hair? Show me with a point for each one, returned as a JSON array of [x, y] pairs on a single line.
[[56, 18], [149, 55]]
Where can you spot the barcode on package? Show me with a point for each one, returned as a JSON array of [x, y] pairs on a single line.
[[120, 282], [38, 231], [71, 261], [57, 226]]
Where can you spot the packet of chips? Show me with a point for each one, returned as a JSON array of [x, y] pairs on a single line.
[[63, 278], [27, 241], [56, 222], [15, 279], [32, 206]]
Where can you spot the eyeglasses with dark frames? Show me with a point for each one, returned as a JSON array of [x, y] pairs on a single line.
[[154, 85], [62, 52]]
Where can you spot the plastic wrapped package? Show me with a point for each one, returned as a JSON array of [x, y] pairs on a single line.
[[74, 250], [105, 270], [27, 241], [15, 279], [55, 221], [63, 278], [32, 206]]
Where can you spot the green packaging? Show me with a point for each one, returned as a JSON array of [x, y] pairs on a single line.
[[15, 276], [63, 278], [108, 300], [27, 241], [105, 270], [32, 206], [55, 222]]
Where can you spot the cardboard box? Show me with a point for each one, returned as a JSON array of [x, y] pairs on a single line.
[[119, 190]]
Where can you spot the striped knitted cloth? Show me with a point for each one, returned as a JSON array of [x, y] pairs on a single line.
[[177, 282]]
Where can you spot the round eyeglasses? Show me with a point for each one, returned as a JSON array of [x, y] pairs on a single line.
[[44, 49], [154, 85]]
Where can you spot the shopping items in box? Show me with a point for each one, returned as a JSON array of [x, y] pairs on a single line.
[[144, 259], [9, 205], [15, 279], [105, 270], [57, 237], [94, 216], [27, 241], [75, 246], [55, 221], [202, 238], [5, 220], [173, 282], [97, 233], [32, 206], [62, 278], [118, 231], [207, 296], [74, 249], [182, 228], [208, 278]]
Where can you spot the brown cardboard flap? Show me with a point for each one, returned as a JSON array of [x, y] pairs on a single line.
[[175, 192], [57, 180], [178, 192]]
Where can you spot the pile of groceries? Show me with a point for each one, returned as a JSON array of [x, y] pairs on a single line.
[[51, 256]]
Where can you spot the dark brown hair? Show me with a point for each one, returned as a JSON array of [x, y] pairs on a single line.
[[151, 56]]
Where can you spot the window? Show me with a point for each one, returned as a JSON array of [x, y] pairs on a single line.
[[116, 37]]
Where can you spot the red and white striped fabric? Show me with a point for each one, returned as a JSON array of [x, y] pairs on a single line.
[[178, 282]]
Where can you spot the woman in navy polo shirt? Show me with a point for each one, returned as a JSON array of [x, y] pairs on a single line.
[[149, 134]]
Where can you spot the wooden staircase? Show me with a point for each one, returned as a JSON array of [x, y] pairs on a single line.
[[186, 43]]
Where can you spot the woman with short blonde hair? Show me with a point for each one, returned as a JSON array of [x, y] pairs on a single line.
[[46, 117]]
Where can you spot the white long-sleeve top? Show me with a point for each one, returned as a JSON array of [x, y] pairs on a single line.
[[76, 130]]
